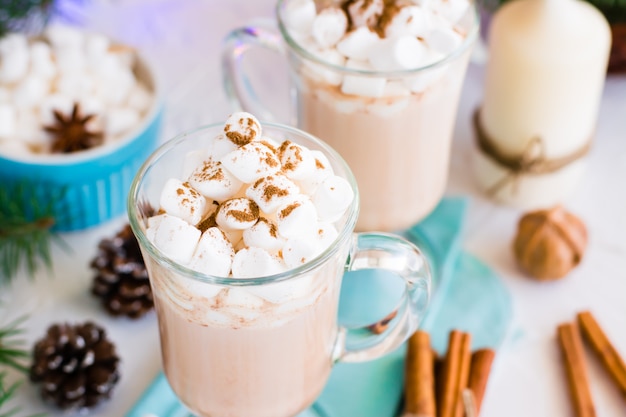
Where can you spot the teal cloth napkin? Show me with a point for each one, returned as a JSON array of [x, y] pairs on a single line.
[[467, 295]]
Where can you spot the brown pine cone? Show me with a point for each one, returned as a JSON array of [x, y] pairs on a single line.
[[77, 366], [121, 279]]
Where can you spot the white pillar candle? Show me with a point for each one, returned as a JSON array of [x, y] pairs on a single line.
[[547, 66]]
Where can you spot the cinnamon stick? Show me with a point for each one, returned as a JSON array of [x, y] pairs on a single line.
[[575, 367], [464, 371], [439, 366], [479, 374], [455, 374], [419, 398], [604, 349]]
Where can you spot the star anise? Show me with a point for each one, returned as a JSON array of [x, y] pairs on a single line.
[[70, 132]]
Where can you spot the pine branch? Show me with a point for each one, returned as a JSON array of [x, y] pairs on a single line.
[[25, 230], [18, 15], [7, 393], [12, 353]]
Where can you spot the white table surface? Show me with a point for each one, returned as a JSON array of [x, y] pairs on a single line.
[[183, 37]]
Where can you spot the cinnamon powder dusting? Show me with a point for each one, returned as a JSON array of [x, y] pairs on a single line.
[[272, 191], [319, 164], [273, 230], [287, 210], [251, 214], [207, 223], [389, 12]]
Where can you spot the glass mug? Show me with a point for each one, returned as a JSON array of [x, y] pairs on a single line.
[[397, 145], [264, 347]]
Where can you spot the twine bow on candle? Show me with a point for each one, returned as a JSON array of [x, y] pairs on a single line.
[[533, 159]]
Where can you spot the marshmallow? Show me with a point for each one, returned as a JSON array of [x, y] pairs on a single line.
[[96, 46], [295, 288], [242, 128], [237, 214], [251, 162], [365, 12], [297, 161], [326, 234], [264, 235], [92, 105], [49, 104], [181, 200], [401, 53], [329, 26], [235, 237], [30, 91], [219, 146], [322, 170], [41, 60], [173, 236], [14, 148], [389, 108], [213, 181], [213, 255], [75, 86], [29, 130], [14, 58], [240, 298], [106, 64], [396, 89], [192, 161], [332, 198], [443, 40], [139, 98], [70, 61], [8, 121], [297, 218], [451, 10], [298, 15], [269, 142], [5, 95], [362, 85], [419, 82], [399, 94], [272, 191], [321, 72], [64, 37], [256, 262], [115, 86], [357, 44], [120, 120], [409, 20], [298, 251]]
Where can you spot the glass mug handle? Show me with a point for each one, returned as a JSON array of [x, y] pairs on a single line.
[[391, 253], [238, 89]]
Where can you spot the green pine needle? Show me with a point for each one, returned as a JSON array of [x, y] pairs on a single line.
[[25, 230], [12, 353], [16, 15], [7, 393]]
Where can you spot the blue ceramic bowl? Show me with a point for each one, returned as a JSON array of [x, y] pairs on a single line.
[[89, 187]]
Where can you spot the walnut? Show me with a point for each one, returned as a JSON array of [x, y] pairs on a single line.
[[549, 243]]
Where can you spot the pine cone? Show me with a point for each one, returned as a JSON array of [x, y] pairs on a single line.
[[121, 279], [76, 365]]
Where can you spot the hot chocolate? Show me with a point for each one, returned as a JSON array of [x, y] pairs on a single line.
[[380, 81], [249, 205], [246, 254], [236, 354]]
